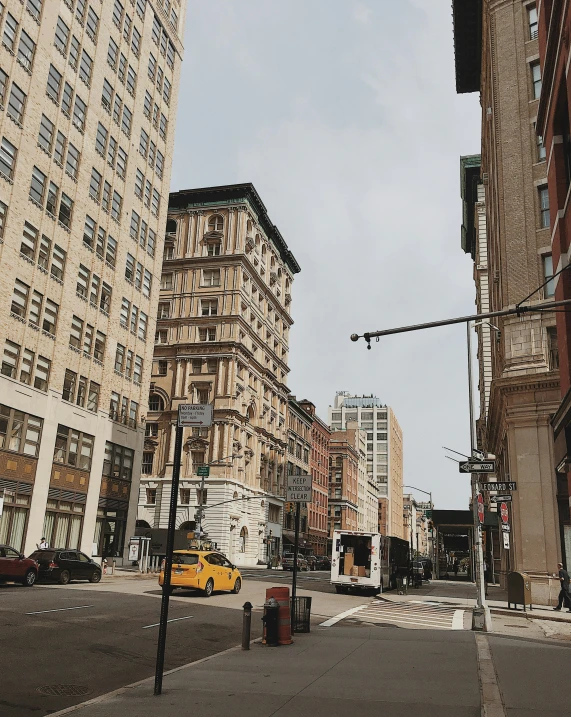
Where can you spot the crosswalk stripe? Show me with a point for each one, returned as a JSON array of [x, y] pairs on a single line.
[[411, 615]]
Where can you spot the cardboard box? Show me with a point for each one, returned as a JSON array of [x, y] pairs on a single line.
[[348, 565], [355, 571], [362, 571]]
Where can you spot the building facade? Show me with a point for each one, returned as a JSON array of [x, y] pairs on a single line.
[[384, 449], [497, 54], [318, 509], [415, 526], [88, 108], [299, 435], [222, 338], [553, 124], [344, 480]]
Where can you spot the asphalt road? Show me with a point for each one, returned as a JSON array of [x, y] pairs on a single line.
[[319, 580], [96, 641]]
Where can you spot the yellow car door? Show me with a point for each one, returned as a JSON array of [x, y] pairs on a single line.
[[229, 573]]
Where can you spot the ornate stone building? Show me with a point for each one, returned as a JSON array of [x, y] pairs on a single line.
[[222, 338], [299, 435], [497, 55], [87, 115]]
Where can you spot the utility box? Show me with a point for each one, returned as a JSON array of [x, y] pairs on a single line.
[[519, 590]]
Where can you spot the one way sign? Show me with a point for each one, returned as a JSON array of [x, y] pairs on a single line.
[[477, 467]]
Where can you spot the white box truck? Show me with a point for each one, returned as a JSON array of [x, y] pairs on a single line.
[[356, 561]]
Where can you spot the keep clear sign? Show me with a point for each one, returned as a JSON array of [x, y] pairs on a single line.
[[298, 489]]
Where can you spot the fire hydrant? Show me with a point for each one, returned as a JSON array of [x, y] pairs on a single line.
[[270, 620]]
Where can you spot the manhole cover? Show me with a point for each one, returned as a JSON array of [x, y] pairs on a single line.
[[64, 690]]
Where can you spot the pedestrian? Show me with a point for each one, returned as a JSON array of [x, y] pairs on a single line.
[[44, 545], [564, 592], [455, 567]]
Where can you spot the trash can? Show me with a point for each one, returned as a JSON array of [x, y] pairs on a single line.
[[519, 590], [300, 614]]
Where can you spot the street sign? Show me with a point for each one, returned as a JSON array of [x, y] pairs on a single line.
[[203, 471], [477, 467], [195, 414], [506, 527], [500, 487], [504, 514], [500, 498], [298, 489], [480, 507], [506, 540]]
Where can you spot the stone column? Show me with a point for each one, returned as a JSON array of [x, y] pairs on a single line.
[[177, 378], [172, 442]]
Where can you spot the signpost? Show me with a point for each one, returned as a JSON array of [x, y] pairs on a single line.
[[189, 415], [500, 487], [298, 490], [477, 467], [500, 499]]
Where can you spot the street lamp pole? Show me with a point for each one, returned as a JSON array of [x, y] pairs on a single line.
[[482, 609], [432, 551]]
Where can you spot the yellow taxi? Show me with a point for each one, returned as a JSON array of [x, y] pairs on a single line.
[[205, 570]]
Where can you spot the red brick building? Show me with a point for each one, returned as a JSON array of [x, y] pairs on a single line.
[[343, 480], [554, 126], [318, 509]]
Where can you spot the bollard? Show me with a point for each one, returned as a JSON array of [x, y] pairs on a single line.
[[113, 566], [246, 625], [271, 623]]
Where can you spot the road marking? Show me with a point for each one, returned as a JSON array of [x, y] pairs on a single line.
[[341, 616], [492, 705], [174, 619], [458, 620], [59, 609]]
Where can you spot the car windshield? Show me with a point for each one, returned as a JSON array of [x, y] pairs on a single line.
[[43, 555], [182, 559]]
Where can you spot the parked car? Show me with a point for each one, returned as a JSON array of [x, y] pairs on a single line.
[[287, 562], [15, 567], [311, 561], [322, 562], [205, 570], [63, 565]]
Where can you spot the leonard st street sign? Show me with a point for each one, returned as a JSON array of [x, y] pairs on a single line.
[[298, 489]]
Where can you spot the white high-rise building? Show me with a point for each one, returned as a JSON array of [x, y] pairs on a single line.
[[384, 448]]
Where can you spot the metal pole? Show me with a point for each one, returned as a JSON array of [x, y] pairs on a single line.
[[246, 625], [200, 508], [294, 573], [168, 563], [479, 556]]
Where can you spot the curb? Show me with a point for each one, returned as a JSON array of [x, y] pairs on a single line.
[[121, 690]]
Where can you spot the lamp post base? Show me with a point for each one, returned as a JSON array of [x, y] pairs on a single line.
[[482, 619]]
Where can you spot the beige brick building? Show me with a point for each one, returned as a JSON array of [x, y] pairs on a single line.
[[88, 94], [520, 378], [223, 338]]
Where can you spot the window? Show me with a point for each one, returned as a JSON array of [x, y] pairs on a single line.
[[121, 162], [532, 21], [26, 51], [74, 52], [3, 87], [116, 204], [8, 155], [202, 395], [46, 136], [107, 95], [137, 370], [171, 52], [54, 84], [72, 163], [79, 113], [73, 448], [163, 127], [147, 283], [214, 248], [34, 7], [10, 32], [156, 201], [209, 307], [38, 186], [549, 288], [92, 24], [136, 42], [76, 333], [147, 469], [167, 282], [41, 378], [167, 91], [156, 403], [152, 68], [118, 462], [80, 11], [126, 121], [99, 351], [131, 80], [51, 310], [27, 366], [62, 36], [207, 334], [162, 368], [67, 99], [216, 223], [59, 149], [544, 206], [536, 79], [10, 359], [118, 14], [553, 348], [85, 68], [52, 199], [161, 337], [95, 185], [211, 365], [147, 104], [184, 496], [196, 365], [20, 432], [143, 321], [160, 164], [144, 143], [151, 492], [211, 277], [16, 104], [69, 383]]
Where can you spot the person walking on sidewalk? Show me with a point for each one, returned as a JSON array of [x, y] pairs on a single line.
[[564, 592]]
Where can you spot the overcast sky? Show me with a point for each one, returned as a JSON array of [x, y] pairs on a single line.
[[343, 115]]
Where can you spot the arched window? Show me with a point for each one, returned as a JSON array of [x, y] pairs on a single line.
[[243, 539], [142, 524], [156, 403], [216, 223], [171, 226], [187, 525]]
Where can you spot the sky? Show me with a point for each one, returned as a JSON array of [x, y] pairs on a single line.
[[344, 116]]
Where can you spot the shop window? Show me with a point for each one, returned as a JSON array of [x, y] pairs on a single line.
[[73, 448], [118, 461]]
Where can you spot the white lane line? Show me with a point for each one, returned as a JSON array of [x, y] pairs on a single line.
[[458, 620], [59, 609], [341, 616], [404, 620], [174, 619], [414, 618]]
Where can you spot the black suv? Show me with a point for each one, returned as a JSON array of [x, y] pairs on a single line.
[[64, 565]]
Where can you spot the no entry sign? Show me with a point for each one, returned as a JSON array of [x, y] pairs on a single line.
[[504, 514], [480, 507]]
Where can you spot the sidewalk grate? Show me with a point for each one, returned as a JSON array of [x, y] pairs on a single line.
[[64, 690]]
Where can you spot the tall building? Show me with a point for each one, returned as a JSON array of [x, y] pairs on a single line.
[[318, 509], [88, 108], [497, 55], [384, 448], [344, 480], [222, 338], [554, 125]]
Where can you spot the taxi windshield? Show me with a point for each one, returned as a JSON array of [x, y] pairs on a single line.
[[181, 559]]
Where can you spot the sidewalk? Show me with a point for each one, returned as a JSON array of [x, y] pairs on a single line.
[[329, 673]]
